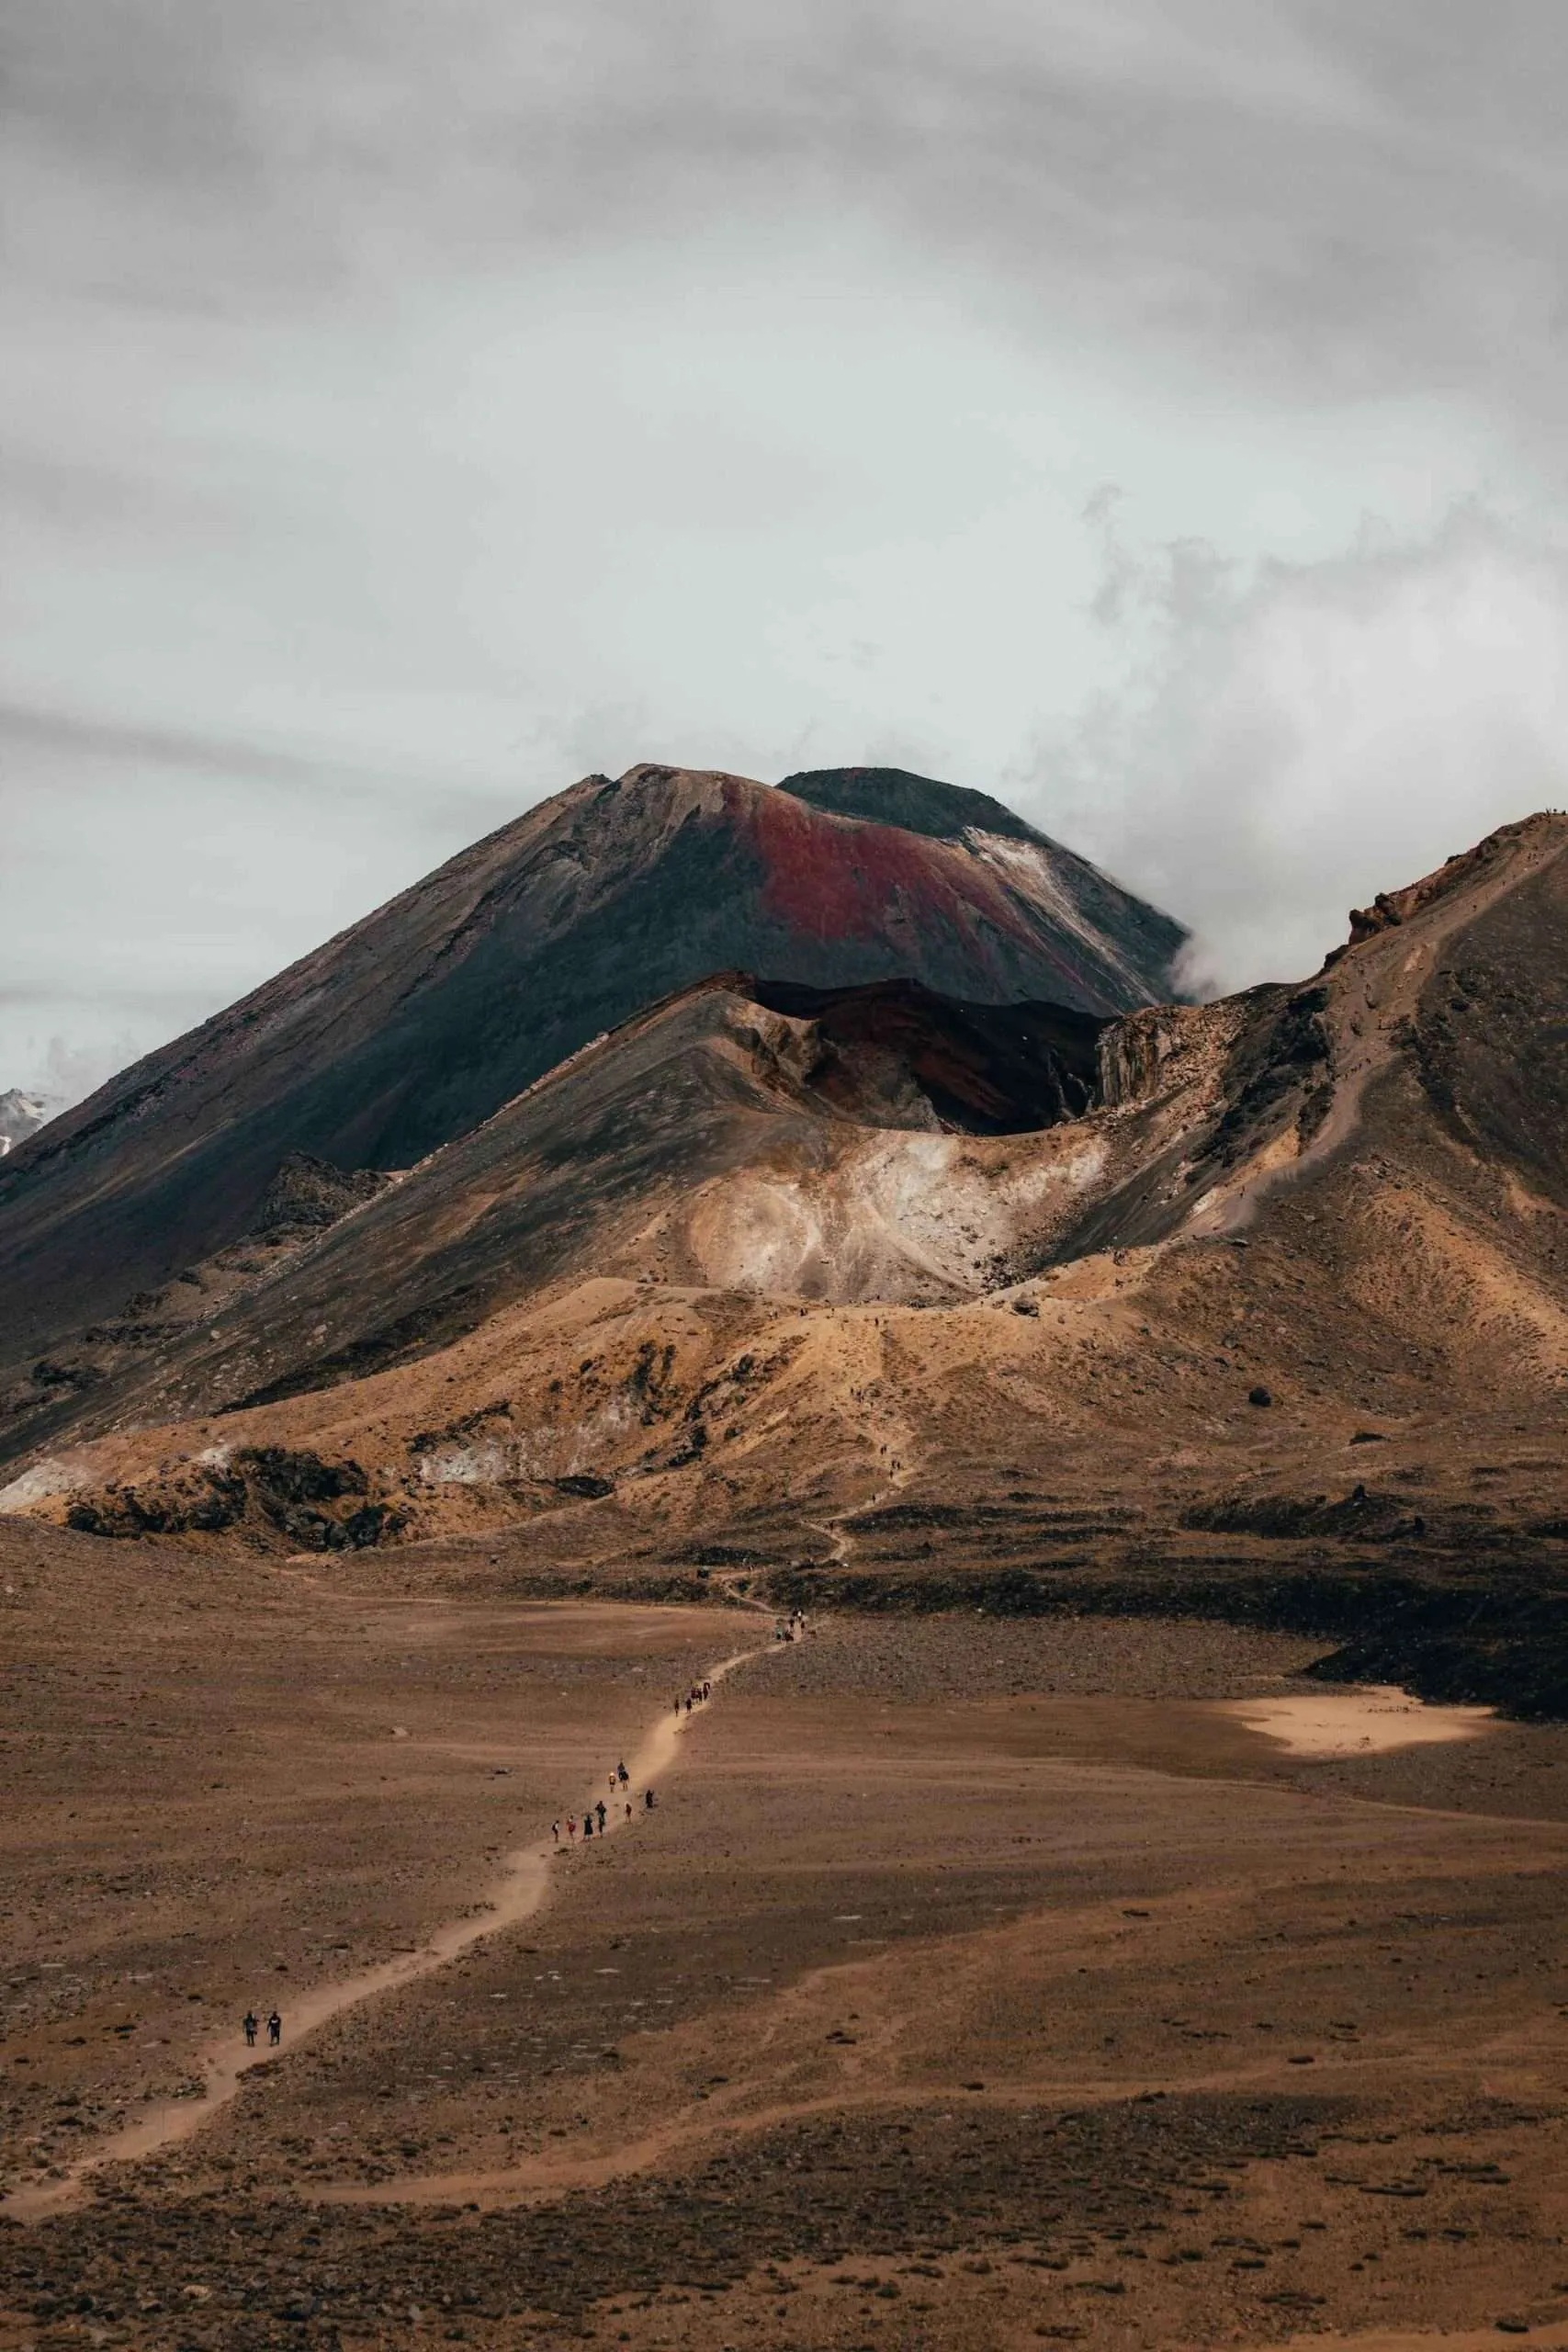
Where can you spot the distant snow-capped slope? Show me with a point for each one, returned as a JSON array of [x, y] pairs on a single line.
[[20, 1115]]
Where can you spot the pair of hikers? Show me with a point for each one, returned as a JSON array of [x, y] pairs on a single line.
[[273, 2029]]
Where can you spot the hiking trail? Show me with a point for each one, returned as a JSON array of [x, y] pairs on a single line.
[[527, 1880]]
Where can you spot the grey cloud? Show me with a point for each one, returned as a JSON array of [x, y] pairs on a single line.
[[1376, 186], [74, 737]]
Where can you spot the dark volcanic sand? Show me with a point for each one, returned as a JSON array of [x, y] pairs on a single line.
[[973, 1984]]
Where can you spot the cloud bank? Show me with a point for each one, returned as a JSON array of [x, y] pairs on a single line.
[[1284, 740]]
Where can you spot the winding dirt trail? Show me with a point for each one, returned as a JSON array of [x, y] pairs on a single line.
[[527, 1879], [904, 1466]]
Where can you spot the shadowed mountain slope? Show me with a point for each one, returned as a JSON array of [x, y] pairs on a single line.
[[408, 1030], [626, 1158]]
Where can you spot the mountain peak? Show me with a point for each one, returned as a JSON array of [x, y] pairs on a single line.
[[916, 804], [417, 1025]]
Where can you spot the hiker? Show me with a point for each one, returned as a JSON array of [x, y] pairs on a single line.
[[588, 1825], [622, 1774], [555, 1831], [628, 1808], [249, 2029], [599, 1809], [707, 1690], [647, 1799], [273, 2029], [571, 1828]]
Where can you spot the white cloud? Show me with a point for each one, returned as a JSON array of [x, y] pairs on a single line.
[[1287, 739]]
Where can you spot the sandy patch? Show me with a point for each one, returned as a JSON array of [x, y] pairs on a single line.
[[1478, 2339], [1354, 1723]]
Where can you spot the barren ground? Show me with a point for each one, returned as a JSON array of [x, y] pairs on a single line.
[[973, 1984]]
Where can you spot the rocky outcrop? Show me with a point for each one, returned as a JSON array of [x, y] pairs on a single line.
[[1389, 909], [271, 1493], [307, 1195], [1133, 1052]]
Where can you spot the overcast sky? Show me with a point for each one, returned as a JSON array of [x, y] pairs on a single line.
[[1153, 411]]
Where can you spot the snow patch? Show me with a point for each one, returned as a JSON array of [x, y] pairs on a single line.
[[22, 1115], [1030, 870]]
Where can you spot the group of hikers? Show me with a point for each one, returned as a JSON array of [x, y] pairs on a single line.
[[595, 1818], [599, 1814]]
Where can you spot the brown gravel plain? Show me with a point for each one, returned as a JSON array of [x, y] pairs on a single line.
[[976, 1984]]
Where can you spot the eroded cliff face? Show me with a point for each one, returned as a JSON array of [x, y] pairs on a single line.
[[1134, 1054]]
